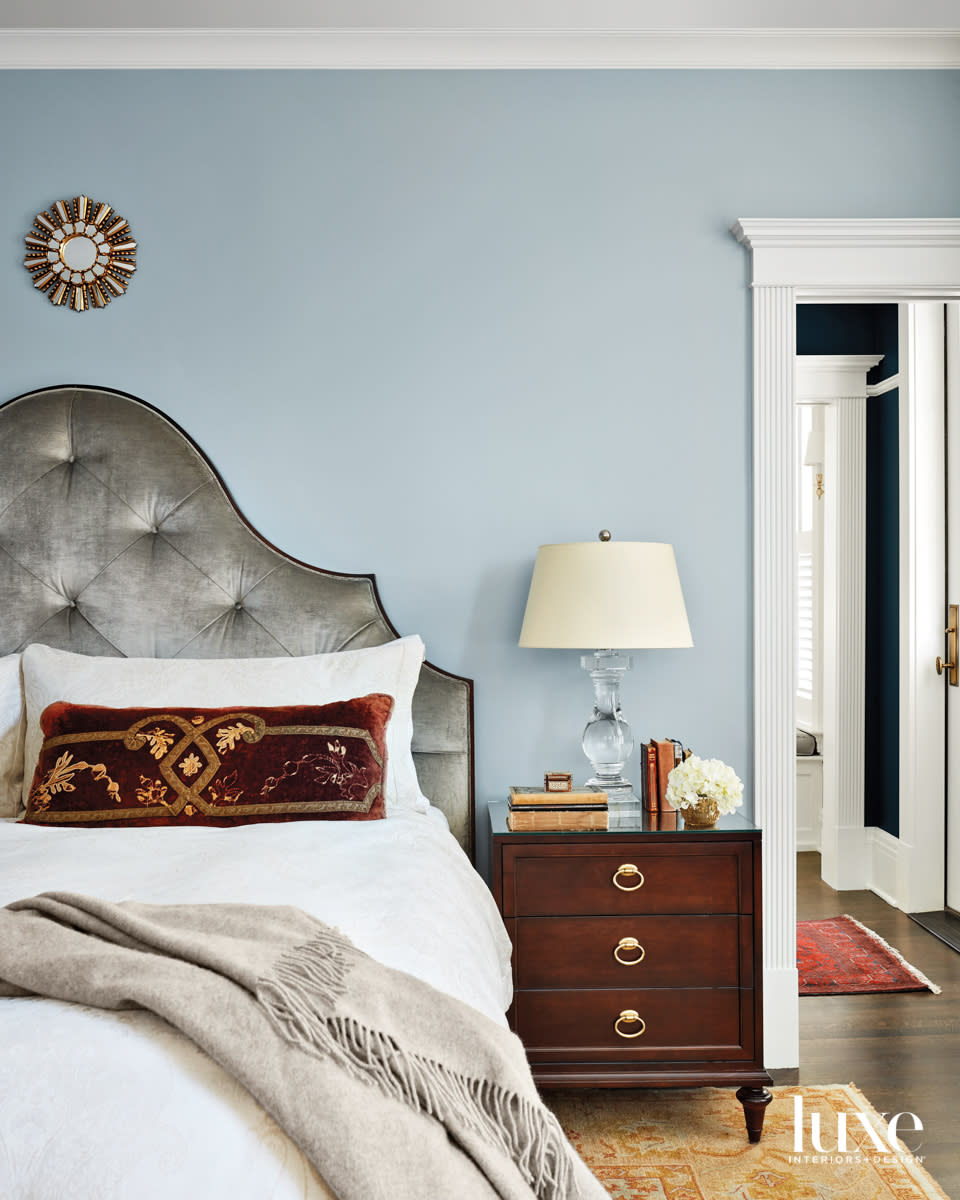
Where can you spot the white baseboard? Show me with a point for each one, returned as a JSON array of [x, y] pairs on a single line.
[[920, 873], [884, 864], [781, 1017], [845, 857], [809, 801], [908, 877], [872, 859]]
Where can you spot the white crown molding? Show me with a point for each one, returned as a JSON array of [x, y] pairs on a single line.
[[849, 258], [823, 376], [478, 49], [827, 376], [816, 232]]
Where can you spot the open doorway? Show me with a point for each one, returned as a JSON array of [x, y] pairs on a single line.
[[847, 605]]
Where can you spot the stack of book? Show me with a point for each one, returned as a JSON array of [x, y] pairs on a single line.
[[534, 809], [657, 760]]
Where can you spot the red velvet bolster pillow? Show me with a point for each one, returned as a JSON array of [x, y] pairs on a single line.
[[211, 766]]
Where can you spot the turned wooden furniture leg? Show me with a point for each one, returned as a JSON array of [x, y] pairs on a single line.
[[754, 1101]]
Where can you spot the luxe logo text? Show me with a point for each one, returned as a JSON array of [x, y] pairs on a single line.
[[883, 1143]]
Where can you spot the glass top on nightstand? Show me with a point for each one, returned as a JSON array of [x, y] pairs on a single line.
[[635, 820]]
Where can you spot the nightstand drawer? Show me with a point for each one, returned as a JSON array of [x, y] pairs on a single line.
[[587, 879], [675, 1024], [596, 952]]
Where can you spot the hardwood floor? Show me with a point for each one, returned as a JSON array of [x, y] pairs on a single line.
[[902, 1051]]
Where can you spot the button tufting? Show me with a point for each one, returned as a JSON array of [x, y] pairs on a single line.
[[154, 529], [72, 458], [71, 604], [238, 606]]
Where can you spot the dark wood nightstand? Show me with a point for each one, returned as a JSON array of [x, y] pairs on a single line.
[[637, 955]]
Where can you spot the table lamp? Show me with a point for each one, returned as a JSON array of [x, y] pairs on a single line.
[[615, 595]]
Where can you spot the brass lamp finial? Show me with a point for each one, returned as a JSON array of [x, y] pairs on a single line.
[[604, 535]]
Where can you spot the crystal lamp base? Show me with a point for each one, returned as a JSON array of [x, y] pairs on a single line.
[[608, 739]]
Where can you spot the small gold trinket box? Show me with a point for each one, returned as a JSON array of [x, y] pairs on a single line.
[[557, 781]]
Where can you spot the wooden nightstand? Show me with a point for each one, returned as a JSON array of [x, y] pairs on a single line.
[[637, 955]]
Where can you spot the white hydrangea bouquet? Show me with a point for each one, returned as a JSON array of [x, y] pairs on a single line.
[[703, 788]]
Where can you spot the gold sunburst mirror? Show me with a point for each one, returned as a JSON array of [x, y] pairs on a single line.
[[81, 253]]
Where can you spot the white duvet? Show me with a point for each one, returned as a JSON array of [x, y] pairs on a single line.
[[119, 1106]]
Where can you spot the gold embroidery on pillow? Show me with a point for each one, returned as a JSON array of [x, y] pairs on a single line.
[[160, 741], [153, 792], [59, 780], [334, 768], [190, 765], [230, 794], [228, 737]]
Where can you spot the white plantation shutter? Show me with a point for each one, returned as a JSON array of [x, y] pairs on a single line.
[[809, 574], [808, 633]]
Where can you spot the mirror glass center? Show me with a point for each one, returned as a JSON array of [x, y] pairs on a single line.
[[79, 253]]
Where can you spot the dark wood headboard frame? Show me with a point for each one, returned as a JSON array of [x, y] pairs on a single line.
[[108, 509]]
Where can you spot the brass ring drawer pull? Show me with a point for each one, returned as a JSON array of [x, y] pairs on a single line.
[[629, 944], [627, 869], [629, 1016]]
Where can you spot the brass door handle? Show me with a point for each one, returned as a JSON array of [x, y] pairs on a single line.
[[630, 1016], [631, 946], [952, 665], [628, 870]]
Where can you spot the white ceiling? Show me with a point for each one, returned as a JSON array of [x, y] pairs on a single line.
[[570, 15]]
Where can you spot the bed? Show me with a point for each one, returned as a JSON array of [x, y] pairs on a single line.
[[128, 576]]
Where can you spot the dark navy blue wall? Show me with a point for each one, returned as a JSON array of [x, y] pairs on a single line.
[[882, 733], [866, 329]]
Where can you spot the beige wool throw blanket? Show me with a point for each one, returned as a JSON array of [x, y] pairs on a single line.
[[389, 1086]]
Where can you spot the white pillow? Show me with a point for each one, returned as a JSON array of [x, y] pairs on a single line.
[[50, 675], [12, 721]]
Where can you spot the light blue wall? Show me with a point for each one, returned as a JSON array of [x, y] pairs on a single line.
[[423, 322]]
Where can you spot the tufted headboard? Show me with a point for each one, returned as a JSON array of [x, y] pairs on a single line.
[[118, 537]]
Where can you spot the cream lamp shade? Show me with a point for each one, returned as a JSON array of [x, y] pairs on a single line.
[[614, 595]]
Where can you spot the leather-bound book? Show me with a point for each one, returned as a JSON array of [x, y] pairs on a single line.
[[530, 797], [578, 816], [648, 777], [666, 761]]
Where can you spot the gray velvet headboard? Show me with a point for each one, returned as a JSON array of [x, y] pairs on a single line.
[[118, 537]]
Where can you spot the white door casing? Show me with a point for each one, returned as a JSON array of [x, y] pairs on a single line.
[[826, 260]]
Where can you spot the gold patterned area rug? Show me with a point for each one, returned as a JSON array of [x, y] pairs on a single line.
[[819, 1143]]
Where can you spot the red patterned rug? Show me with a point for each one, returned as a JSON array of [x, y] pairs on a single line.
[[841, 957]]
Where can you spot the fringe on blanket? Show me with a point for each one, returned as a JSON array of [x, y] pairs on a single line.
[[300, 994]]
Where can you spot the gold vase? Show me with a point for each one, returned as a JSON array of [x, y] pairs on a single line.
[[702, 815]]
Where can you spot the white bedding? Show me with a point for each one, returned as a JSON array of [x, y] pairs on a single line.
[[119, 1106]]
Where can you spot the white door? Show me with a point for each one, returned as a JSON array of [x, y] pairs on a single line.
[[953, 597], [923, 552]]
